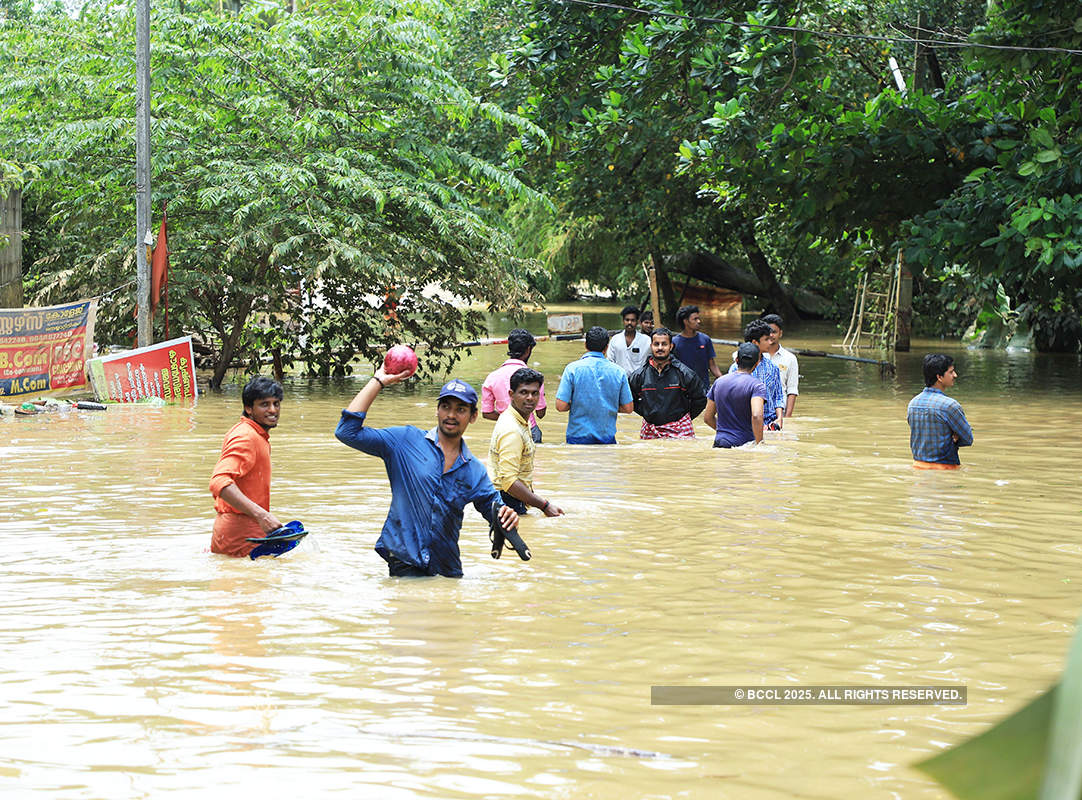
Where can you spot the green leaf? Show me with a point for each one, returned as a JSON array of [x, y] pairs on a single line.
[[1003, 763], [1042, 137]]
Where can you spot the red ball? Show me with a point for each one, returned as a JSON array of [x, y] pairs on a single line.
[[400, 358]]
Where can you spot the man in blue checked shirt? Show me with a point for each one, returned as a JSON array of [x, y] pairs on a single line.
[[760, 334], [937, 424], [433, 476]]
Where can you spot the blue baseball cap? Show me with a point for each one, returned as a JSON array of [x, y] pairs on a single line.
[[458, 389]]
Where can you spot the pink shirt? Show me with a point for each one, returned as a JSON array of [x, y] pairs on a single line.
[[496, 390]]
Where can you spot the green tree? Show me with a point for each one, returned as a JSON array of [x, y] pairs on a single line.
[[310, 166], [1013, 228]]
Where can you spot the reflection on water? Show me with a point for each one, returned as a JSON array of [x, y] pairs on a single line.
[[135, 663]]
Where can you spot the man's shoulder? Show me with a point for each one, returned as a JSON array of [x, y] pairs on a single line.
[[500, 374], [932, 399], [612, 368], [686, 371], [509, 418], [245, 429]]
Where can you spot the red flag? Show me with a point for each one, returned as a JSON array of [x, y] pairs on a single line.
[[159, 273]]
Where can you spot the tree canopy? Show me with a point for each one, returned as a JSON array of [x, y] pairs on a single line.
[[327, 168], [316, 189]]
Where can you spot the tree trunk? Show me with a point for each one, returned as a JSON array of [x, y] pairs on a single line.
[[779, 301], [229, 343], [664, 315], [708, 268]]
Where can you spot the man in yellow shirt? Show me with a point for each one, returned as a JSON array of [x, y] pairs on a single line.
[[511, 451]]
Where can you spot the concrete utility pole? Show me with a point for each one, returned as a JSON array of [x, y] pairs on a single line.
[[142, 168]]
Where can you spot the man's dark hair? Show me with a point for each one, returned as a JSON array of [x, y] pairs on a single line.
[[646, 315], [934, 365], [756, 330], [684, 313], [597, 339], [258, 388], [629, 310], [747, 356], [662, 331], [526, 375], [773, 319], [519, 341]]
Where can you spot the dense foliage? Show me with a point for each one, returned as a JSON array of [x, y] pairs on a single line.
[[326, 168], [315, 191], [780, 131]]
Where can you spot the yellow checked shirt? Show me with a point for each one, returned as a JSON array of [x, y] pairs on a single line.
[[510, 454]]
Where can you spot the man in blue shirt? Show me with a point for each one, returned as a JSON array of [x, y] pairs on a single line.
[[758, 333], [937, 424], [693, 348], [593, 390], [433, 476]]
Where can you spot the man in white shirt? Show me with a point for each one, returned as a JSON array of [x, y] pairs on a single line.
[[785, 361], [630, 348]]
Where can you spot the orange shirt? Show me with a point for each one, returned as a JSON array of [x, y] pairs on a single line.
[[245, 461]]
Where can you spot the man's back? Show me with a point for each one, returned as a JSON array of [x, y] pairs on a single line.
[[496, 390], [732, 395], [767, 372], [937, 427], [595, 389]]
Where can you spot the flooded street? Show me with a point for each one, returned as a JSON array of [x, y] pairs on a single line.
[[134, 663]]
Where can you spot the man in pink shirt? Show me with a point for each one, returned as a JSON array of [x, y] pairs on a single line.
[[496, 390]]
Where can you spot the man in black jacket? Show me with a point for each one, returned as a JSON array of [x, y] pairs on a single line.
[[668, 395]]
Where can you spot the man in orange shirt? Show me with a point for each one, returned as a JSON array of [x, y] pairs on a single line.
[[241, 480]]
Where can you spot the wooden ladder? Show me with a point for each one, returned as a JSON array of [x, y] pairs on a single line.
[[874, 322]]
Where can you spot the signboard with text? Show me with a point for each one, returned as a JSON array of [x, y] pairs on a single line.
[[44, 350], [164, 370]]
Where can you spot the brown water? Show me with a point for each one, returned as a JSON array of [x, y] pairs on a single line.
[[133, 663]]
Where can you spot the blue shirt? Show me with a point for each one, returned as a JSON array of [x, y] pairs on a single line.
[[732, 398], [426, 503], [767, 371], [595, 388], [695, 352], [933, 418]]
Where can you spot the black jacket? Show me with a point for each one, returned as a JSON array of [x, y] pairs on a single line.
[[666, 396]]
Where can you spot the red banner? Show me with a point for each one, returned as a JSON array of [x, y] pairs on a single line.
[[164, 370], [44, 350]]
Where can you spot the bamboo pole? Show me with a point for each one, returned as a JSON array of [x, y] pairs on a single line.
[[142, 170]]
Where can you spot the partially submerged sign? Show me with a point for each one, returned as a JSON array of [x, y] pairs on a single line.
[[43, 350], [565, 323], [164, 370]]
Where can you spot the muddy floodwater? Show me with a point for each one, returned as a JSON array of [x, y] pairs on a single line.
[[134, 663]]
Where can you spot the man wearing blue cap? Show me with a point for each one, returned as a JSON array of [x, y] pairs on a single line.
[[433, 476]]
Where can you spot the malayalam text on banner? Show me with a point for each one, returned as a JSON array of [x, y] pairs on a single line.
[[164, 370], [44, 350]]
